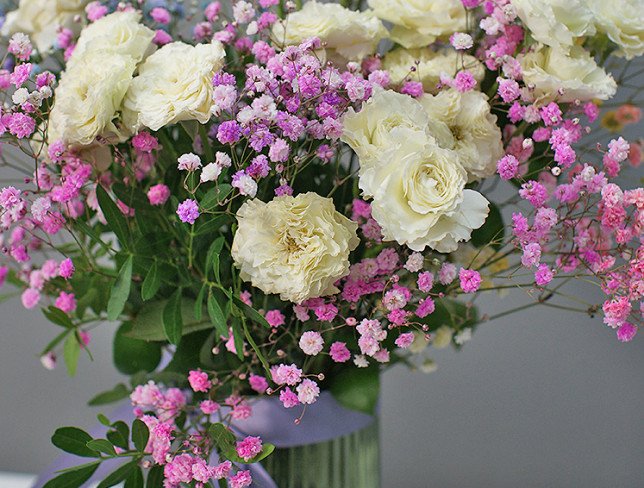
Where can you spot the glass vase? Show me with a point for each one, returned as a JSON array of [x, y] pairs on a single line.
[[349, 461]]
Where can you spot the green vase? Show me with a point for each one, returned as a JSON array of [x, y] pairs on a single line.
[[350, 461]]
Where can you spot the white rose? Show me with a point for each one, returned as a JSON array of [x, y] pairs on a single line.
[[174, 84], [388, 119], [88, 97], [623, 22], [418, 23], [352, 35], [576, 74], [118, 33], [419, 199], [297, 247], [556, 22], [463, 122], [41, 19], [428, 66]]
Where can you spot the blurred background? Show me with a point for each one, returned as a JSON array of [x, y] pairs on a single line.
[[542, 398]]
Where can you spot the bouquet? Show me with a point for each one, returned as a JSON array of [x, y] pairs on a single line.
[[271, 201]]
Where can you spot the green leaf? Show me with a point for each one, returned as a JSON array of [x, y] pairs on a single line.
[[199, 302], [151, 283], [250, 313], [238, 338], [135, 480], [102, 445], [55, 341], [212, 259], [119, 392], [71, 353], [222, 436], [75, 478], [215, 196], [119, 474], [58, 317], [124, 433], [148, 324], [117, 439], [132, 197], [492, 231], [120, 290], [357, 388], [114, 217], [267, 450], [103, 420], [172, 318], [217, 315], [134, 355], [74, 441], [140, 435], [155, 478]]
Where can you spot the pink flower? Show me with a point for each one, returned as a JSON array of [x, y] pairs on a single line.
[[531, 255], [464, 81], [308, 392], [412, 88], [21, 125], [188, 211], [145, 142], [95, 11], [189, 162], [20, 46], [66, 268], [275, 318], [66, 302], [507, 167], [30, 298], [161, 37], [470, 280], [544, 275], [551, 114], [311, 343], [199, 381], [249, 448], [626, 332], [288, 398], [258, 383], [208, 407], [241, 480], [160, 15], [405, 340], [158, 194], [447, 273], [425, 307], [339, 352], [286, 375]]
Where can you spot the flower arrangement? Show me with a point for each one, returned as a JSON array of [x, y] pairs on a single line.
[[271, 199]]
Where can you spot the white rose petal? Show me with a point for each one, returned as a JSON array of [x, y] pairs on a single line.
[[297, 247], [623, 22], [174, 84]]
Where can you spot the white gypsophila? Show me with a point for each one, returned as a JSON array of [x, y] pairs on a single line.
[[210, 172], [464, 123], [388, 119], [88, 97], [174, 84], [41, 19], [417, 23], [442, 337], [556, 22], [623, 22], [565, 77], [426, 66], [297, 247], [352, 35], [117, 33], [419, 198]]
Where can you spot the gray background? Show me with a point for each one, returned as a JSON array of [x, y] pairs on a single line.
[[544, 398]]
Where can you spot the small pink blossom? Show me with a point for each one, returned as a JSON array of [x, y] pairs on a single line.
[[289, 398], [199, 381], [311, 343], [249, 447], [405, 340], [258, 383], [158, 194], [339, 352], [470, 280], [308, 392]]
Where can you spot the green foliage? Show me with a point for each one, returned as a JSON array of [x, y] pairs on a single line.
[[148, 325], [172, 318], [151, 283], [140, 435], [492, 232], [74, 441], [58, 317], [134, 355], [74, 478], [113, 215], [71, 352], [119, 392], [357, 388], [120, 290], [102, 445], [118, 475]]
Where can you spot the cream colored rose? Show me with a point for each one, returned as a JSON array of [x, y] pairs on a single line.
[[41, 19], [174, 84], [352, 35], [419, 198], [557, 22], [388, 119], [88, 98], [118, 33], [428, 66], [566, 77], [297, 247], [463, 122], [623, 22], [418, 23]]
